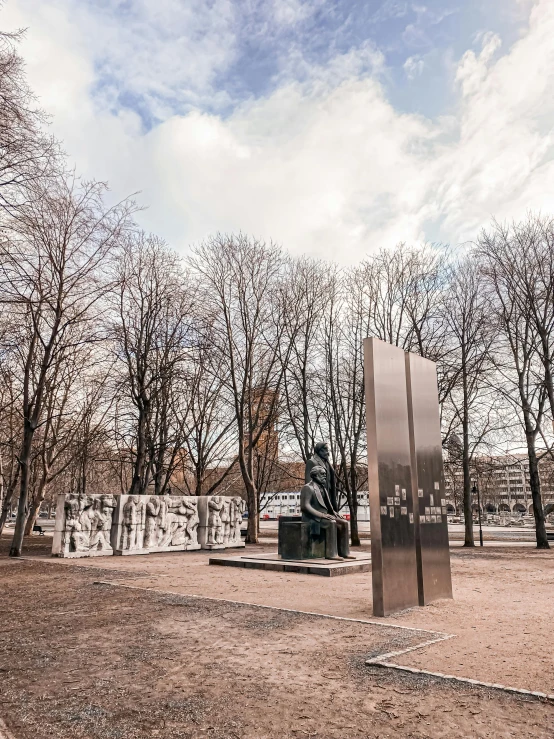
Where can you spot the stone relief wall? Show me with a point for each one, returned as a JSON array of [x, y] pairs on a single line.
[[84, 525], [96, 525], [157, 523], [220, 521]]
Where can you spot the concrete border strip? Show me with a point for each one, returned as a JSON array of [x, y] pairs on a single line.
[[465, 680]]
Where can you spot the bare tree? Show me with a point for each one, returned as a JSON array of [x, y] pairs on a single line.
[[154, 306], [72, 419], [403, 292], [244, 289], [466, 317], [519, 321], [347, 323], [26, 152], [209, 420], [51, 256], [312, 284], [10, 429]]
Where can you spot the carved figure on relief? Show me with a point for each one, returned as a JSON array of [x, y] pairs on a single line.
[[215, 506], [226, 521], [238, 506], [88, 521], [133, 523], [185, 521], [71, 541], [156, 521], [193, 519], [102, 508]]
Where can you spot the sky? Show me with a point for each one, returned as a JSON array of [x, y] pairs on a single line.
[[332, 127]]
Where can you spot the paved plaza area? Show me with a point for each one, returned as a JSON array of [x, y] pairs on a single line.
[[165, 645]]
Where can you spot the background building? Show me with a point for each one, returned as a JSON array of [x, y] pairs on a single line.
[[503, 483]]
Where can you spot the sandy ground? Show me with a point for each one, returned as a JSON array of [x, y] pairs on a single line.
[[78, 659], [502, 612]]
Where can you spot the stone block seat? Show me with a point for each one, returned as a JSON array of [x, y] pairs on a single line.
[[296, 539]]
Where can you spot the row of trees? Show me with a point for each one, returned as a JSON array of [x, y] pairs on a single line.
[[126, 367]]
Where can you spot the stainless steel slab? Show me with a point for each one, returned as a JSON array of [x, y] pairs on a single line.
[[393, 551], [428, 494]]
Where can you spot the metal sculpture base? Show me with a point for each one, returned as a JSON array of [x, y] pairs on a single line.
[[322, 567]]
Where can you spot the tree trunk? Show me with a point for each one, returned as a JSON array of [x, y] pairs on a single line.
[[534, 480], [354, 533], [17, 542], [6, 506], [353, 507], [198, 485], [253, 515], [7, 502], [34, 510], [138, 472], [469, 540]]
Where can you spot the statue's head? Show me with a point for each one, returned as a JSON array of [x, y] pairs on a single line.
[[319, 474], [322, 450]]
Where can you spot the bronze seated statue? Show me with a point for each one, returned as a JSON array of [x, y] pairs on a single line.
[[320, 532]]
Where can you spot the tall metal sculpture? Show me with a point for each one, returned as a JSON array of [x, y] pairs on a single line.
[[431, 527], [409, 533], [393, 541]]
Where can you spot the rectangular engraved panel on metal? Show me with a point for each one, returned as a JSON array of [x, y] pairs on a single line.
[[394, 568], [433, 555]]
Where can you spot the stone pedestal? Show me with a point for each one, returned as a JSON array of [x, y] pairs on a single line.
[[324, 567], [297, 541]]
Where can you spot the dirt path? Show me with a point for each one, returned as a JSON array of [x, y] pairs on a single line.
[[103, 662], [502, 612]]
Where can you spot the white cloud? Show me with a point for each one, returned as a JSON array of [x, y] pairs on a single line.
[[324, 165], [473, 69], [413, 66], [163, 53], [291, 12]]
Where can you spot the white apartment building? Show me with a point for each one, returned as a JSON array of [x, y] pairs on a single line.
[[503, 483], [273, 505]]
